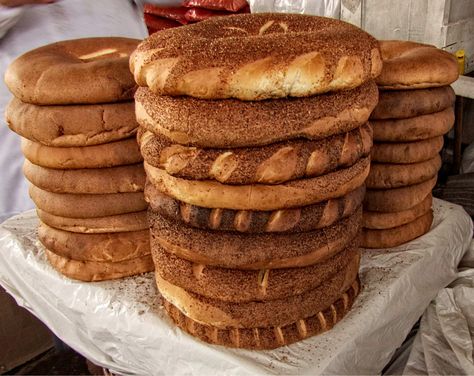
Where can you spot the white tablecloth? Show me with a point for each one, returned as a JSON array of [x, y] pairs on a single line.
[[120, 324]]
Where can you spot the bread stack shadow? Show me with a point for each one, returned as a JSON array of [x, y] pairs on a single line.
[[75, 114], [255, 204], [415, 110]]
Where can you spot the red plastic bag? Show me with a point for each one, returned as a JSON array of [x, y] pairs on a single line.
[[229, 5], [200, 14], [176, 14], [155, 23]]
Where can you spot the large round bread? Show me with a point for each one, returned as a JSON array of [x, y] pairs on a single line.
[[65, 126], [119, 179], [379, 221], [390, 175], [307, 218], [271, 164], [268, 313], [72, 205], [114, 223], [232, 123], [415, 128], [270, 337], [407, 152], [107, 247], [90, 70], [236, 285], [257, 56], [393, 237], [91, 271], [410, 65], [253, 251], [302, 192], [400, 104], [111, 154], [398, 199]]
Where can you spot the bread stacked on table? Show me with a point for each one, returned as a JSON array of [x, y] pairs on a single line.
[[415, 110], [73, 109], [256, 145]]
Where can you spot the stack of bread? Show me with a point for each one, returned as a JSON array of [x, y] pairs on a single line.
[[415, 110], [255, 195], [73, 109]]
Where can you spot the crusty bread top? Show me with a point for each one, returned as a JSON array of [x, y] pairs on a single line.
[[410, 65], [257, 56], [89, 70]]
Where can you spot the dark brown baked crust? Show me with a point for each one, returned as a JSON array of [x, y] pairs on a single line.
[[407, 152]]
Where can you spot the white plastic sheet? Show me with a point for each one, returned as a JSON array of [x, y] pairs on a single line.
[[326, 8], [120, 325]]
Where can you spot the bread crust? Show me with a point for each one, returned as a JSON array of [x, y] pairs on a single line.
[[253, 251], [106, 247], [307, 218], [270, 164], [407, 152], [400, 104], [302, 192], [379, 221], [65, 126], [398, 199], [393, 237], [89, 70], [410, 65], [391, 175], [73, 205], [257, 56], [92, 271], [119, 179], [111, 154], [413, 129], [232, 123]]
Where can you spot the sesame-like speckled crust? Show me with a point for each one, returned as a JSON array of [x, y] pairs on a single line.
[[260, 338], [400, 104], [253, 251], [236, 285], [395, 236], [410, 65], [407, 152], [270, 164], [257, 56], [232, 123], [392, 175], [306, 218], [92, 271], [89, 70]]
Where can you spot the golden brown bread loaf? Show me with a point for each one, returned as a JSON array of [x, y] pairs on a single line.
[[73, 205], [302, 192], [106, 247], [118, 153], [391, 175], [301, 219], [115, 223], [253, 251], [407, 152], [236, 285], [92, 271], [257, 56], [413, 129], [410, 65], [271, 164], [65, 126], [396, 236], [378, 220], [398, 199], [89, 70], [272, 337], [400, 104], [267, 313], [232, 123], [119, 179]]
